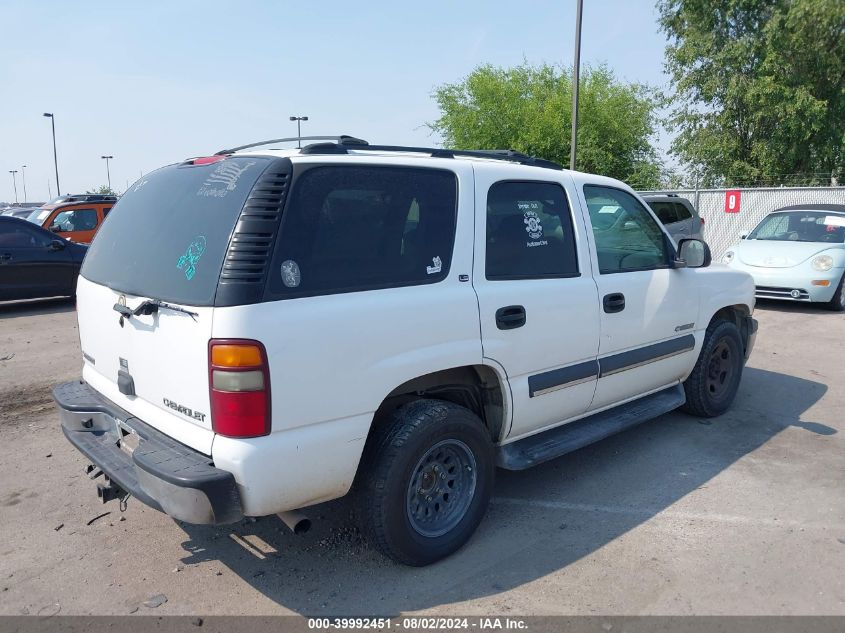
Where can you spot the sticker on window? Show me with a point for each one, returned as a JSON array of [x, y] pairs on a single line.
[[533, 226], [436, 267], [188, 261], [227, 174], [291, 276]]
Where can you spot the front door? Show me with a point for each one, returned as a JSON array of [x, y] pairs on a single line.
[[75, 224], [537, 298], [648, 308]]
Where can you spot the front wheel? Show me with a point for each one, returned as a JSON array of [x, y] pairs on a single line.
[[837, 303], [714, 381], [426, 480]]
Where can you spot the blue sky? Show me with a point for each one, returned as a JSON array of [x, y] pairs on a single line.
[[152, 83]]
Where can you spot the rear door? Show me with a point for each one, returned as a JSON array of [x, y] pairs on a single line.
[[166, 239], [537, 298], [667, 213]]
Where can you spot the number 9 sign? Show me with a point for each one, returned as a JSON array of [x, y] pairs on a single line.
[[732, 201]]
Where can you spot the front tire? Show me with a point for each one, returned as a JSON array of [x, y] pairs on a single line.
[[837, 303], [426, 481], [714, 381]]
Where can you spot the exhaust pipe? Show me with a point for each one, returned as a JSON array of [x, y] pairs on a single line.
[[296, 521]]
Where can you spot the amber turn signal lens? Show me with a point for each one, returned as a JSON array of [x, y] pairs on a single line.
[[235, 356], [820, 282]]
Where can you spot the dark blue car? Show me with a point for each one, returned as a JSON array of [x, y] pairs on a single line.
[[35, 262]]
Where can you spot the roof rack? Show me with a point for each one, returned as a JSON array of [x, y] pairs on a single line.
[[343, 147], [342, 139], [85, 197]]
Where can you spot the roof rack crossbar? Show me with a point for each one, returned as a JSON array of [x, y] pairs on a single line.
[[342, 139], [435, 152]]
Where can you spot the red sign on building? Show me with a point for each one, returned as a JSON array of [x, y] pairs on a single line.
[[732, 201]]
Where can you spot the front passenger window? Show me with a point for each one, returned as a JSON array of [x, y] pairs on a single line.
[[632, 240]]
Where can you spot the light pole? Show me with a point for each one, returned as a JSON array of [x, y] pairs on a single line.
[[299, 120], [55, 158], [108, 173], [23, 176], [576, 80], [15, 183]]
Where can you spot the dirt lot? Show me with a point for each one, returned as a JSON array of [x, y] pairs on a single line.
[[744, 514]]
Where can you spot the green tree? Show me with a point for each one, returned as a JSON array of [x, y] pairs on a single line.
[[759, 88], [529, 109], [104, 190]]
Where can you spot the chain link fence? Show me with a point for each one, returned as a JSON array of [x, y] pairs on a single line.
[[723, 229]]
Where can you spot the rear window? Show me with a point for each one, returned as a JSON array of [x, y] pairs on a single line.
[[362, 228], [167, 236]]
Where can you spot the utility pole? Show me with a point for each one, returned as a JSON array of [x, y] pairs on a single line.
[[55, 157], [23, 176], [108, 173], [576, 80], [299, 120], [15, 183]]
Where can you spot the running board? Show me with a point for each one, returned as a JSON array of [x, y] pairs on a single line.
[[560, 440]]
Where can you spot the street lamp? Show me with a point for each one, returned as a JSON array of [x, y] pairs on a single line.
[[299, 120], [23, 175], [576, 79], [108, 174], [55, 158], [15, 183]]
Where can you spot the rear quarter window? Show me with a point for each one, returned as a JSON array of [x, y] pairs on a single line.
[[353, 228]]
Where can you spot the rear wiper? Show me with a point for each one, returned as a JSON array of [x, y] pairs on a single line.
[[150, 306]]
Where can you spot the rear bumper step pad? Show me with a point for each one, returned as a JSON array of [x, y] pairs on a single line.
[[160, 472]]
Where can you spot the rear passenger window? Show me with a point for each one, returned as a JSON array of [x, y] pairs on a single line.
[[529, 232], [363, 228], [665, 211], [682, 211]]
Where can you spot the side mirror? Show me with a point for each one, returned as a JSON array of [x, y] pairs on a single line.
[[694, 253], [743, 236], [55, 228], [57, 245]]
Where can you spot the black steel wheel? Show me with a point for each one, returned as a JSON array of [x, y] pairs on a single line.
[[712, 385], [425, 481]]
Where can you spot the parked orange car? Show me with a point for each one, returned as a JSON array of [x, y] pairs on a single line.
[[75, 218]]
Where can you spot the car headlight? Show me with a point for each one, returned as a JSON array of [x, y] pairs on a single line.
[[728, 257], [822, 263]]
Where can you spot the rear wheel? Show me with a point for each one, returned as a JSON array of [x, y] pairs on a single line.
[[837, 303], [426, 480], [714, 381]]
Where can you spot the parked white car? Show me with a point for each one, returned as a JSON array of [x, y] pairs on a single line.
[[266, 330], [796, 254]]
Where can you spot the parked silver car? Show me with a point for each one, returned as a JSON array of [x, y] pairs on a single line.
[[678, 216], [796, 253]]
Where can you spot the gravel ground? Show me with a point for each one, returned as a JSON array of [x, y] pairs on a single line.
[[744, 514]]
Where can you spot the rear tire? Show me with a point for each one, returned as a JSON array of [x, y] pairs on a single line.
[[425, 482], [714, 381], [837, 303]]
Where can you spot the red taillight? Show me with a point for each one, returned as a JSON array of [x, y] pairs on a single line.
[[702, 221], [239, 383]]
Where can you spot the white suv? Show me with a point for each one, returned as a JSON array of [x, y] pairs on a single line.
[[266, 330]]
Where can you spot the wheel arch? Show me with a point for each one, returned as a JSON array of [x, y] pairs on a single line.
[[738, 315], [479, 388]]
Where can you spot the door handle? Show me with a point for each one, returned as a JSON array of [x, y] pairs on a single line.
[[614, 302], [510, 317], [5, 257]]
